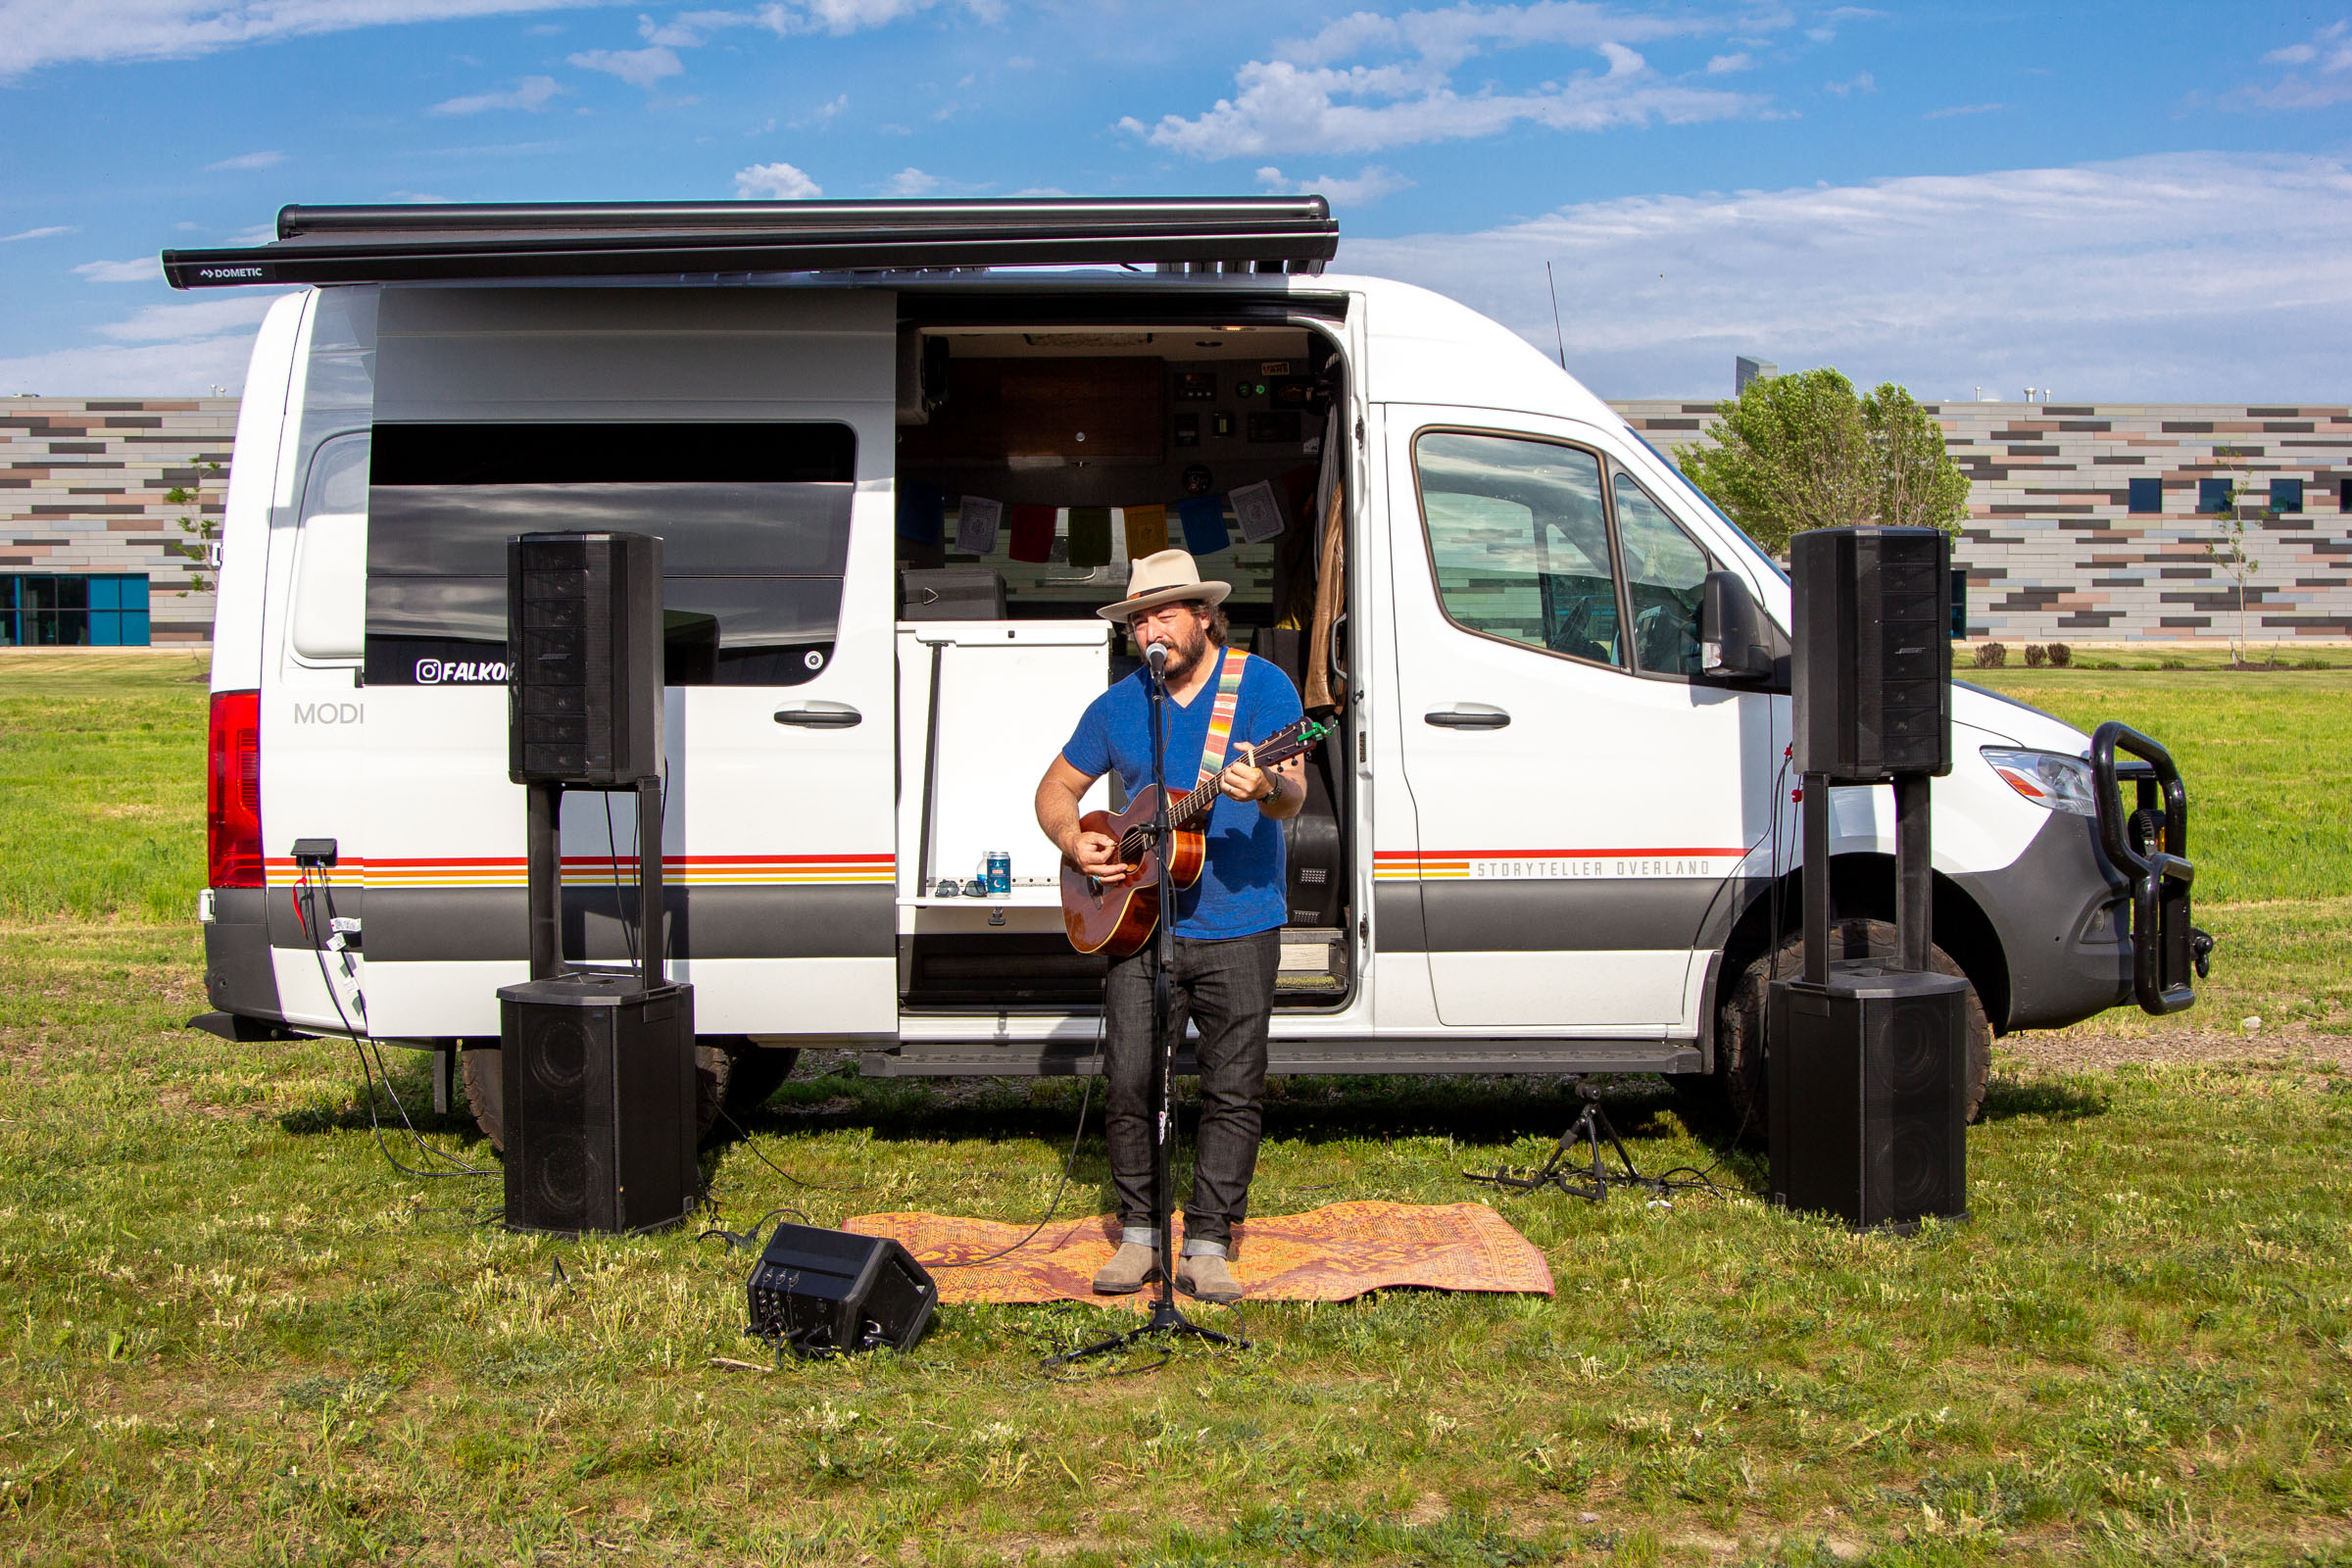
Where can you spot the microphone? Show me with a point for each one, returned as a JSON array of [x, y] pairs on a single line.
[[1156, 655]]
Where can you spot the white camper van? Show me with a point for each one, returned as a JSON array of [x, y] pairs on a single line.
[[898, 453]]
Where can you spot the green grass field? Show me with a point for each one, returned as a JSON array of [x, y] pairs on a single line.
[[236, 1336]]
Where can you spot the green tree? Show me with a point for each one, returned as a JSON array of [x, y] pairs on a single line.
[[2226, 549], [1801, 451], [194, 522]]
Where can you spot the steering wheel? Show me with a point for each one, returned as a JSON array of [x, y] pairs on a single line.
[[1568, 637]]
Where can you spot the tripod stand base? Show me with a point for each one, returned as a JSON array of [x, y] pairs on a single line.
[[1164, 1319], [1589, 1182]]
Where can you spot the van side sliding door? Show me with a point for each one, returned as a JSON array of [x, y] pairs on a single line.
[[752, 430], [1577, 795]]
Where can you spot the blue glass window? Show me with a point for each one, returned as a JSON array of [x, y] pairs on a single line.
[[2213, 495], [2286, 495], [44, 610], [2147, 495]]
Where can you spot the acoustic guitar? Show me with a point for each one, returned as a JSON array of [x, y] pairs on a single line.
[[1118, 918]]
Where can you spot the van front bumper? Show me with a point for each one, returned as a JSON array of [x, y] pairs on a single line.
[[2063, 917]]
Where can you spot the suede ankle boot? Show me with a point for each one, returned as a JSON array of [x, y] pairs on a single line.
[[1132, 1267]]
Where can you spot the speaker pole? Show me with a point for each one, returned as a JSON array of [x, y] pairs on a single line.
[[1914, 872], [650, 924], [544, 875], [1815, 824]]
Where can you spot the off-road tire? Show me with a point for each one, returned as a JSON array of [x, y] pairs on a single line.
[[1740, 1066], [758, 1072]]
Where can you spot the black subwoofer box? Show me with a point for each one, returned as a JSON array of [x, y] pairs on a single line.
[[597, 1084], [584, 658], [820, 1291], [1868, 1099], [1874, 653]]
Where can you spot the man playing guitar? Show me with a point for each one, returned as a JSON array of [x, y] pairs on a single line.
[[1222, 703]]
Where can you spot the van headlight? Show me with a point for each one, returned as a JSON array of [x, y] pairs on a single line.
[[2053, 779]]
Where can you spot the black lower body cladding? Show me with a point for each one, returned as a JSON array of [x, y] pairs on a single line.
[[238, 976], [2062, 915]]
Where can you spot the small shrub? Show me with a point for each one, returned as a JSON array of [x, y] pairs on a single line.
[[2061, 655], [1991, 656], [2172, 664], [2036, 656]]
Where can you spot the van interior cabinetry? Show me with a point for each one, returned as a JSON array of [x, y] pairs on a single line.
[[1096, 409], [1082, 448]]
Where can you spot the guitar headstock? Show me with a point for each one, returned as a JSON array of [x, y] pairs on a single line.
[[1300, 735]]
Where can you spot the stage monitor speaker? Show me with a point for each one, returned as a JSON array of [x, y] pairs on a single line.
[[819, 1292], [584, 658], [1869, 1095], [1874, 653], [598, 1083]]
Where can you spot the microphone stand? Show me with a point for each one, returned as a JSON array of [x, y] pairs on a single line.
[[1165, 1318]]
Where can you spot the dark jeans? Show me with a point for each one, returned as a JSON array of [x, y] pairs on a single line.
[[1226, 988]]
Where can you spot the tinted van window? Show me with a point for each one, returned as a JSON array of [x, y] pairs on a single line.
[[754, 520], [1520, 541]]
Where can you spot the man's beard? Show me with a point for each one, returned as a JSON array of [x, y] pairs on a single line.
[[1187, 651]]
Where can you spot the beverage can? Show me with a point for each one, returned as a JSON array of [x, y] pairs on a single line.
[[999, 873]]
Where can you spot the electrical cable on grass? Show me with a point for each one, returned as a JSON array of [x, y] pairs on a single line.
[[1069, 1162], [360, 1042]]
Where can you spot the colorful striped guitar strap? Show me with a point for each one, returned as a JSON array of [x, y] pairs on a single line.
[[1221, 718]]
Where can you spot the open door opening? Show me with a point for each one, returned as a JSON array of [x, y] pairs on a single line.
[[1034, 464]]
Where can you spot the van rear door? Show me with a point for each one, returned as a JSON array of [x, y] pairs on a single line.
[[1578, 798], [752, 430]]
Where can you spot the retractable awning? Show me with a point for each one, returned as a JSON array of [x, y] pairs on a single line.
[[640, 239]]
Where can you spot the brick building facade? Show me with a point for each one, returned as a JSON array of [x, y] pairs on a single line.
[[2089, 522], [90, 549], [2096, 522]]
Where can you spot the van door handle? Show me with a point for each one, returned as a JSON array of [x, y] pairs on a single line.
[[1479, 717], [820, 715]]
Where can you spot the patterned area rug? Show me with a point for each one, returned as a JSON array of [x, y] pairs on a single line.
[[1331, 1253]]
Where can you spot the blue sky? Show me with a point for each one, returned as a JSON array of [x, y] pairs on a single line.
[[2120, 202]]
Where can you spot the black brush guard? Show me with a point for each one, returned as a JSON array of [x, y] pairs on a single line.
[[2149, 845]]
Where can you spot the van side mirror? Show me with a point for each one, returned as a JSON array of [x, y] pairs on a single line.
[[1733, 643]]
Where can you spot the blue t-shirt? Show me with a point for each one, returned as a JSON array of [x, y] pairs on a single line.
[[1241, 890]]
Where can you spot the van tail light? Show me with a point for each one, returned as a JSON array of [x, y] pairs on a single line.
[[233, 791]]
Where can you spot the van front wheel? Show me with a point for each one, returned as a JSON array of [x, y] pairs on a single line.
[[483, 1070], [1740, 1064]]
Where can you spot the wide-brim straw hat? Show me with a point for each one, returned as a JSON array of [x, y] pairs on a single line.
[[1164, 577]]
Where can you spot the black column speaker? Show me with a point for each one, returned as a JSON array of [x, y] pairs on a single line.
[[598, 1084], [1869, 1096], [584, 658], [1874, 665]]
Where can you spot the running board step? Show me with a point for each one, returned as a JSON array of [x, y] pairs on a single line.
[[1058, 1058]]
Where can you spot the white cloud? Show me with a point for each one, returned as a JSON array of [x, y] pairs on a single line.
[[910, 181], [1368, 82], [780, 183], [263, 159], [2180, 276], [1864, 82], [530, 93], [821, 116], [138, 269], [1725, 64], [44, 32], [1285, 107], [2330, 49], [226, 310], [161, 350], [1360, 189], [639, 68], [1962, 109], [43, 232]]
